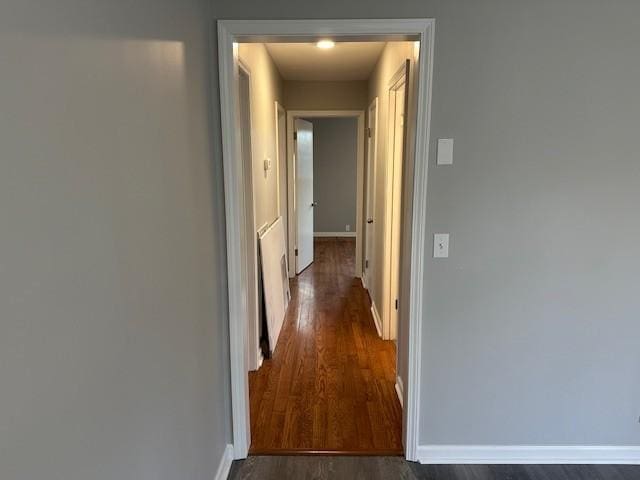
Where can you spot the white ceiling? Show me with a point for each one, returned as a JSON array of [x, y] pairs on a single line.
[[305, 61]]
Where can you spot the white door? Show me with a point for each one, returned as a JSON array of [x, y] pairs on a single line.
[[372, 120], [303, 139], [397, 105]]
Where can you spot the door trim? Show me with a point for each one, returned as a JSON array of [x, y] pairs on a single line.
[[388, 301], [254, 354], [291, 180], [370, 197], [229, 33]]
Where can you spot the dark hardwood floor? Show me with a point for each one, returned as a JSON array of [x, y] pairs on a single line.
[[392, 468], [330, 386]]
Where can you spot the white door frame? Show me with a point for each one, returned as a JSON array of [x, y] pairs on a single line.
[[281, 160], [389, 331], [229, 33], [291, 180], [254, 354], [370, 197]]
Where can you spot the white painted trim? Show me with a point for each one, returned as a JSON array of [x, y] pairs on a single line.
[[231, 31], [224, 466], [359, 115], [400, 390], [372, 159], [335, 234], [376, 318], [253, 307], [388, 303], [359, 192], [236, 251], [260, 357], [283, 210], [528, 454], [291, 197], [418, 239], [279, 109]]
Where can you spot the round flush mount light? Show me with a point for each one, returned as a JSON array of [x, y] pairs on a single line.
[[325, 44]]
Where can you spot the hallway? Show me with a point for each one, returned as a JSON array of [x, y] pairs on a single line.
[[330, 386]]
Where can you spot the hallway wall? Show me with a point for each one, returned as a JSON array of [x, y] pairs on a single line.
[[348, 95], [114, 358], [334, 173], [266, 89]]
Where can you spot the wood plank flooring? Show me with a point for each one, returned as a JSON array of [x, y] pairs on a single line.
[[330, 385], [387, 468]]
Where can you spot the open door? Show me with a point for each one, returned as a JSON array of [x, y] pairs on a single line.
[[303, 144]]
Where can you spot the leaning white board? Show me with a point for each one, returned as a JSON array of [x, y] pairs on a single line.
[[275, 278]]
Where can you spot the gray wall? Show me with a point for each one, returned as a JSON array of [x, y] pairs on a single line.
[[113, 338], [531, 326], [335, 142], [349, 95]]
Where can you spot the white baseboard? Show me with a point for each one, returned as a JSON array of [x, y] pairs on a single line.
[[376, 318], [528, 454], [260, 358], [400, 390], [334, 234], [225, 464]]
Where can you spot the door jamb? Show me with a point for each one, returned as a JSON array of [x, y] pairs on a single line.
[[282, 209], [370, 195], [229, 33], [387, 268], [291, 180], [254, 355]]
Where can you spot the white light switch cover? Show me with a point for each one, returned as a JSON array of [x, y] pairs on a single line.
[[441, 245], [445, 151]]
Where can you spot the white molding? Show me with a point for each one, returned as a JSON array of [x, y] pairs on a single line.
[[400, 390], [528, 454], [236, 251], [253, 308], [224, 466], [303, 30], [279, 109], [370, 204], [260, 357], [232, 31], [418, 240], [335, 234], [388, 303], [376, 318]]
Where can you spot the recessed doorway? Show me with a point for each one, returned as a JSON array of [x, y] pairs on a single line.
[[331, 256]]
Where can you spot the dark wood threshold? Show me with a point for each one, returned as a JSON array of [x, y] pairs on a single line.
[[339, 453]]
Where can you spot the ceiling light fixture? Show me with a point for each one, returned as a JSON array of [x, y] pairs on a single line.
[[325, 44]]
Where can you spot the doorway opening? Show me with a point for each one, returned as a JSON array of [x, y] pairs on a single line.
[[325, 182], [337, 376]]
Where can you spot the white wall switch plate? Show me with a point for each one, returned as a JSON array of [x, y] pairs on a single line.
[[441, 245], [445, 151]]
